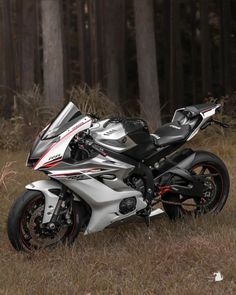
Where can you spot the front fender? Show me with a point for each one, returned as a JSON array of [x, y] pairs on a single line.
[[46, 187]]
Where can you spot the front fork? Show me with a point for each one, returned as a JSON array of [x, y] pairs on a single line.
[[55, 196], [62, 208]]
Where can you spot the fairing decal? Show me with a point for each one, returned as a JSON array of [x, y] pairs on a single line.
[[58, 148]]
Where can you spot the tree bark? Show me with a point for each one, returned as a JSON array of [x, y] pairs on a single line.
[[166, 29], [114, 37], [28, 44], [52, 52], [205, 49], [8, 78], [84, 42], [226, 45], [193, 51], [176, 61], [147, 62]]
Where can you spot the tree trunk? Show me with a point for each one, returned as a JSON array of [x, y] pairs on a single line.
[[176, 61], [2, 64], [226, 45], [8, 79], [38, 46], [94, 42], [67, 44], [52, 52], [166, 47], [193, 50], [147, 62], [114, 37], [205, 49], [84, 42], [101, 66], [28, 44]]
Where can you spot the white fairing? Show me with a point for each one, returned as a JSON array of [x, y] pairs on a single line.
[[103, 197], [58, 148], [205, 117], [104, 202]]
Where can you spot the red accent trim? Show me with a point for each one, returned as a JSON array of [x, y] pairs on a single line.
[[52, 163], [164, 189], [56, 159], [48, 150]]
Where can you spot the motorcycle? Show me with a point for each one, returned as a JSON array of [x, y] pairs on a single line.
[[105, 172]]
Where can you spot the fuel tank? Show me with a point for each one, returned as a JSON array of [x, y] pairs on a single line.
[[127, 136]]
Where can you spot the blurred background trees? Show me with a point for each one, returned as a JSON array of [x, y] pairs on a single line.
[[148, 56]]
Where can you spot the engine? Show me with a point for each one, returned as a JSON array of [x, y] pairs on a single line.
[[129, 204]]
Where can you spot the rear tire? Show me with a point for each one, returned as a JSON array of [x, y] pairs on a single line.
[[220, 187], [24, 224]]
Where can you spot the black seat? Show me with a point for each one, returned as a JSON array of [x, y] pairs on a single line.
[[171, 133]]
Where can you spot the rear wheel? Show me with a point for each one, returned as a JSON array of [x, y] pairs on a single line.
[[216, 181], [25, 228]]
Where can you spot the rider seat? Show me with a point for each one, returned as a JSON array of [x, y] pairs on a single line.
[[170, 133]]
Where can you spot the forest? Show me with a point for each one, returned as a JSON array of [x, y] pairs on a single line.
[[148, 57], [122, 58]]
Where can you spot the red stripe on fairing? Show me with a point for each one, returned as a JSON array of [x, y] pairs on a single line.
[[52, 163], [55, 143], [54, 160]]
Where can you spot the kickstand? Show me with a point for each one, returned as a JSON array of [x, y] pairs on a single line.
[[147, 220]]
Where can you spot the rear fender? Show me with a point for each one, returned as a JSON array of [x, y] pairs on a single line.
[[46, 187]]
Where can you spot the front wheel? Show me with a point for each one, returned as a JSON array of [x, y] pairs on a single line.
[[217, 185], [25, 228]]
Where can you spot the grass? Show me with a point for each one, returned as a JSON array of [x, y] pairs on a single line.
[[168, 258]]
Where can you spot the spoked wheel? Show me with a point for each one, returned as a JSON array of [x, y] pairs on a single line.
[[216, 183], [25, 228]]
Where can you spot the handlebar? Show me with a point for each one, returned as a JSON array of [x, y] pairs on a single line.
[[91, 144], [84, 141]]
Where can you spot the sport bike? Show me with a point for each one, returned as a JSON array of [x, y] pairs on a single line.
[[104, 172]]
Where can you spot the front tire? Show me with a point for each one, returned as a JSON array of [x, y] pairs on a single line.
[[213, 200], [24, 224]]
